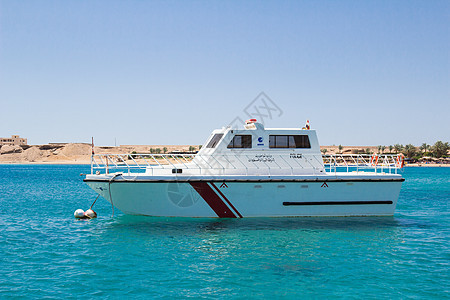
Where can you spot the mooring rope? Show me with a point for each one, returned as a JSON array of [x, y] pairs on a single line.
[[109, 190], [94, 201]]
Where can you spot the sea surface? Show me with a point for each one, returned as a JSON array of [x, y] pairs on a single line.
[[46, 253]]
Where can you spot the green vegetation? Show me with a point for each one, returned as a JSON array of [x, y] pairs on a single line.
[[156, 151], [398, 148], [438, 150], [424, 147], [381, 148], [409, 151]]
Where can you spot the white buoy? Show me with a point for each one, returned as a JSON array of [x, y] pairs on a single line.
[[90, 214], [79, 213]]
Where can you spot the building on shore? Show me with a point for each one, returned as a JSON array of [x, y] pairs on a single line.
[[13, 140]]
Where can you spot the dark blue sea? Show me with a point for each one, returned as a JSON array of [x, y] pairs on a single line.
[[46, 253]]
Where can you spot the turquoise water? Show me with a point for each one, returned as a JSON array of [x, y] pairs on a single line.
[[45, 252]]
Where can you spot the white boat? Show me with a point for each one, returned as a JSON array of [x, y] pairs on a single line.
[[250, 172]]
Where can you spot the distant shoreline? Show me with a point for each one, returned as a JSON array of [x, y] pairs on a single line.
[[73, 163], [80, 153]]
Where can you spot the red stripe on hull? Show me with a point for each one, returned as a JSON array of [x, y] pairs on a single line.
[[226, 199], [213, 200]]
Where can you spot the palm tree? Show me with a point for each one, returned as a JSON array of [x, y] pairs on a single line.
[[382, 149], [324, 151], [379, 149], [440, 149], [165, 149], [390, 148], [340, 148], [398, 148], [424, 147], [409, 150]]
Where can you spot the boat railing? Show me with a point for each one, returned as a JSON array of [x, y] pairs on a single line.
[[245, 164], [378, 163]]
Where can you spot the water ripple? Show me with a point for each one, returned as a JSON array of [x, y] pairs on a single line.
[[47, 253]]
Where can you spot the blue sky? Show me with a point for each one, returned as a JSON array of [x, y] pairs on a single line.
[[169, 72]]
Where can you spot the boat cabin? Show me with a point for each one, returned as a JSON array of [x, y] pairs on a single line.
[[252, 150], [262, 150]]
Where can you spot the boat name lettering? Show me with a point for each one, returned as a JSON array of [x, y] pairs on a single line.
[[296, 155], [262, 158]]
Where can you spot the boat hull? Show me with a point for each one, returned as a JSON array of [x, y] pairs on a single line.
[[236, 199]]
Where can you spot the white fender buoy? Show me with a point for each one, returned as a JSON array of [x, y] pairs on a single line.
[[79, 213], [90, 214]]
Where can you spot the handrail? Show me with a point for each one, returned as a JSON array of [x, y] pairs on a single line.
[[226, 164]]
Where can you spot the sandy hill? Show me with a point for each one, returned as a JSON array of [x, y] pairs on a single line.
[[76, 153]]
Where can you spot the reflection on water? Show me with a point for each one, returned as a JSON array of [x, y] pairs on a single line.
[[176, 227], [214, 224]]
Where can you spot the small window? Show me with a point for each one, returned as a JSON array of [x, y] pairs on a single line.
[[289, 141], [215, 140], [241, 141]]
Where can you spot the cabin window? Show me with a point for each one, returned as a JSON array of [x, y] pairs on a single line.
[[299, 141], [215, 140], [241, 141], [289, 141]]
